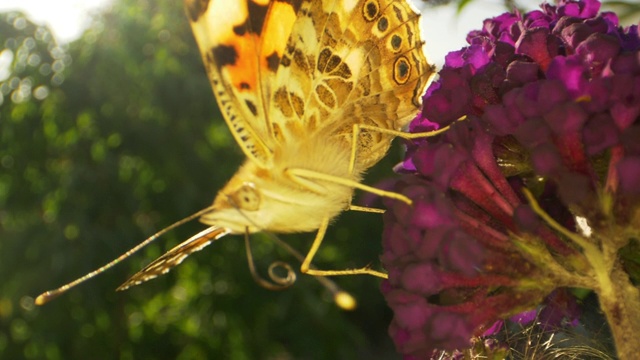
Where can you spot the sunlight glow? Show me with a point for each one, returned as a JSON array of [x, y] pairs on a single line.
[[66, 18], [443, 29]]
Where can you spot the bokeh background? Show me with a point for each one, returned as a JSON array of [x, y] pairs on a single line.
[[108, 138]]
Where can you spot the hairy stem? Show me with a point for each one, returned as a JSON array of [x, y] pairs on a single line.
[[620, 302]]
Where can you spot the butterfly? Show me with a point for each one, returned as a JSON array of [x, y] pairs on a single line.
[[313, 92]]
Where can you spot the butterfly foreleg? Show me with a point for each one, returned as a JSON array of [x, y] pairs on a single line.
[[365, 209], [304, 175], [305, 268], [352, 162], [354, 155], [401, 134]]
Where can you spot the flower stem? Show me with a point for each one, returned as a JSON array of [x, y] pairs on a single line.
[[619, 298], [620, 302]]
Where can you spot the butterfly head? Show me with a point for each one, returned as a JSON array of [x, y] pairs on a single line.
[[236, 208], [256, 199]]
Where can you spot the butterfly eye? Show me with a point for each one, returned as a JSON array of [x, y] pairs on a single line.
[[246, 198]]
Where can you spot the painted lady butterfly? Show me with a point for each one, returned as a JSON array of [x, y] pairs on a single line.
[[313, 92]]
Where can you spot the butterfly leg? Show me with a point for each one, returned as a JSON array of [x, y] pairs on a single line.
[[303, 176], [365, 209], [400, 134], [305, 268], [354, 153]]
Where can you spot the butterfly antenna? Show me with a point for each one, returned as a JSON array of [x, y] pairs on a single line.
[[52, 294]]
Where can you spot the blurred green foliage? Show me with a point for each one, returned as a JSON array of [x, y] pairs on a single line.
[[107, 140]]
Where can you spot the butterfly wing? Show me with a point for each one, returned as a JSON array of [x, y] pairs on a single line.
[[280, 69], [175, 256], [346, 63], [241, 43]]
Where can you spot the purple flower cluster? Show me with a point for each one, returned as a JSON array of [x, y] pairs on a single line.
[[547, 101]]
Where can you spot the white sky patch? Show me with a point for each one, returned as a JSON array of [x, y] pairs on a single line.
[[443, 29], [67, 19]]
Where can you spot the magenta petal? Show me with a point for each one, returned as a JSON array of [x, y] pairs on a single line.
[[450, 330], [570, 71], [421, 278], [534, 44], [629, 174], [526, 219], [546, 160], [567, 118], [494, 329], [599, 134], [461, 253], [599, 48], [522, 72], [584, 9], [525, 317]]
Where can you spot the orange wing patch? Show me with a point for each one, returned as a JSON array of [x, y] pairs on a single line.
[[276, 32], [242, 43], [241, 69]]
